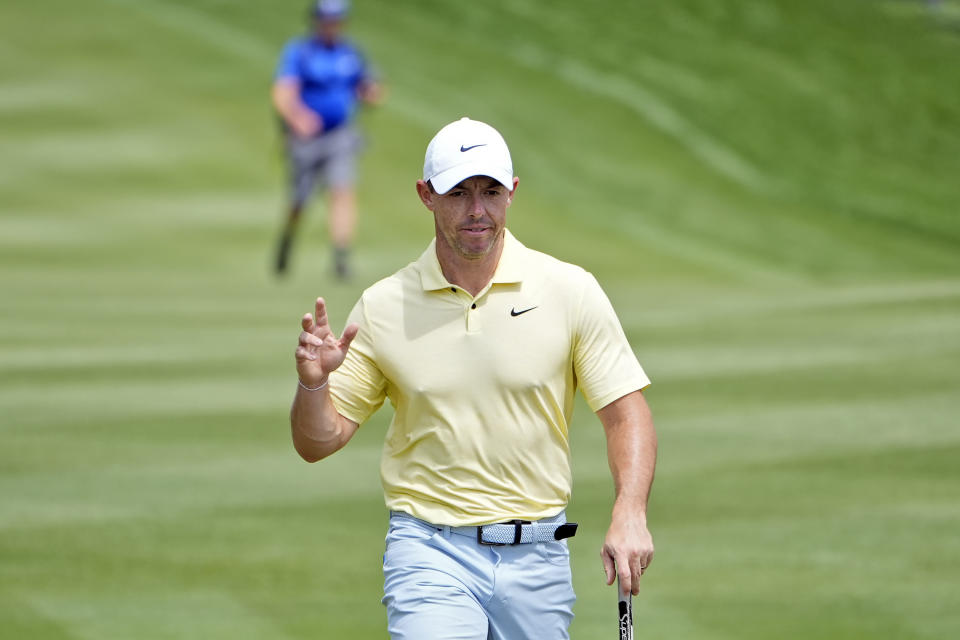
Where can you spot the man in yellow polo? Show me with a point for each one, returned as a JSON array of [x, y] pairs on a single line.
[[480, 345]]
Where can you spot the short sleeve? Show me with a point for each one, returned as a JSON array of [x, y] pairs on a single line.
[[363, 73], [358, 387], [363, 68], [605, 365], [289, 64]]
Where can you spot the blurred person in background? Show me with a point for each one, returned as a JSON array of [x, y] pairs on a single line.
[[320, 81]]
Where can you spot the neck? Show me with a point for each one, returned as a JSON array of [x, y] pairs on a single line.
[[470, 274]]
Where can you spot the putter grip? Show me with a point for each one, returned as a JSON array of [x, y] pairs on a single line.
[[625, 613]]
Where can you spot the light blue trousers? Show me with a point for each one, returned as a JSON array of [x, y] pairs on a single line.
[[440, 585]]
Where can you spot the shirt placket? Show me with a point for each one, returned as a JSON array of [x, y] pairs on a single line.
[[471, 307]]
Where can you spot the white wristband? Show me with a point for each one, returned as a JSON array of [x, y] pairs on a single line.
[[303, 386]]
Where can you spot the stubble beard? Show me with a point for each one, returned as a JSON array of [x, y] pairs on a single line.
[[466, 253]]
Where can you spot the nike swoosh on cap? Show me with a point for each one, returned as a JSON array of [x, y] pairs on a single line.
[[463, 148]]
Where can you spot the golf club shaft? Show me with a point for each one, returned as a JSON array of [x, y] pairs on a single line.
[[625, 610]]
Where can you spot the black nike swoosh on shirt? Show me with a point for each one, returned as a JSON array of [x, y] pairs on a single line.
[[463, 148], [515, 313]]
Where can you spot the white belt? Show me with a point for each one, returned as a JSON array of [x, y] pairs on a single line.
[[519, 532], [512, 532]]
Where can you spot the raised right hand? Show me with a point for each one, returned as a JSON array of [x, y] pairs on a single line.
[[319, 351]]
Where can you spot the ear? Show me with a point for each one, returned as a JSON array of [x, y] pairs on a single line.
[[426, 194], [516, 183]]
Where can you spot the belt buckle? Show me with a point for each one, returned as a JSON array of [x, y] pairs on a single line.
[[480, 539], [517, 530]]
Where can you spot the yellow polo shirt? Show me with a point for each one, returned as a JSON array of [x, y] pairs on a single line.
[[483, 387]]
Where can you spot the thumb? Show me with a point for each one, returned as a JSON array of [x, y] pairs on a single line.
[[609, 566], [349, 333]]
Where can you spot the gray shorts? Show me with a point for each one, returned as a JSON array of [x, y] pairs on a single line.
[[329, 158]]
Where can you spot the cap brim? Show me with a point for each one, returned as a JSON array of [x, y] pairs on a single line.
[[446, 180]]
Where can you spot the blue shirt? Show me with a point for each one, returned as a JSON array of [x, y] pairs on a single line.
[[329, 75]]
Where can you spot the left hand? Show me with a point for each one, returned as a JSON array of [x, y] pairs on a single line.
[[371, 92], [628, 548]]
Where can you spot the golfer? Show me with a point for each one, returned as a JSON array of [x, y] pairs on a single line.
[[480, 345], [319, 82]]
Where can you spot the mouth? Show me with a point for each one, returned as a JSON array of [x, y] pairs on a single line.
[[475, 230]]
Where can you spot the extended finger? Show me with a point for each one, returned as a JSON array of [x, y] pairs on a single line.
[[321, 309], [307, 322]]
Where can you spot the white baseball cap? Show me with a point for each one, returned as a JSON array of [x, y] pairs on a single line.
[[463, 149], [330, 9]]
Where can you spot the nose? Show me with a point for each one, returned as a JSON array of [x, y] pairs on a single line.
[[476, 206]]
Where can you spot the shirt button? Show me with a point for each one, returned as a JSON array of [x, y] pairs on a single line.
[[473, 306], [454, 289]]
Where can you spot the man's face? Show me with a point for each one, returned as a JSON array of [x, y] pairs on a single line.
[[470, 218], [328, 29]]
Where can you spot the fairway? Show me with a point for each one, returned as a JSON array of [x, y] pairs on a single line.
[[767, 191]]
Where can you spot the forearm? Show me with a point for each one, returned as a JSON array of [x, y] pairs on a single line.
[[631, 453], [317, 428], [286, 100]]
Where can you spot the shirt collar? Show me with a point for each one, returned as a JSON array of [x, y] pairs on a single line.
[[509, 269]]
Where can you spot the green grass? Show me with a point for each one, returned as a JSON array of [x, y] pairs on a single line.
[[767, 190]]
